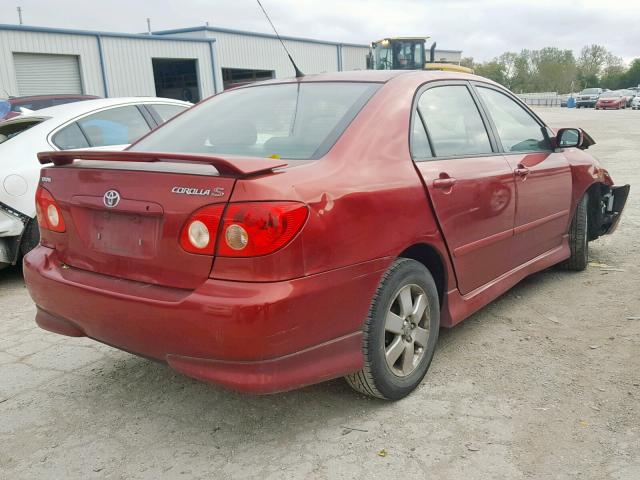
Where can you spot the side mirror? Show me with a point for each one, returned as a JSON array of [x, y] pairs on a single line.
[[569, 138], [572, 138]]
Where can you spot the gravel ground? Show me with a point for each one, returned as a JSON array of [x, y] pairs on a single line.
[[542, 383]]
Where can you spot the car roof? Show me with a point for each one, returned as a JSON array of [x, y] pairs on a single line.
[[28, 98], [379, 76], [72, 110]]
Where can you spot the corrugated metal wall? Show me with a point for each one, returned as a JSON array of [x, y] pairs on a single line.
[[129, 69], [354, 58], [127, 61], [262, 53], [86, 47]]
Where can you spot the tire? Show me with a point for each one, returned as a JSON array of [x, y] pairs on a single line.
[[578, 238], [30, 237], [395, 379]]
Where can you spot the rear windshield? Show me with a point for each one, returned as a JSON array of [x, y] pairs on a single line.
[[296, 121], [10, 130]]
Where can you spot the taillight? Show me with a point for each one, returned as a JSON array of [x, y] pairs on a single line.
[[48, 212], [259, 228], [199, 233], [248, 229]]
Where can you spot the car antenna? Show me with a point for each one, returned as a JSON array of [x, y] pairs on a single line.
[[299, 73]]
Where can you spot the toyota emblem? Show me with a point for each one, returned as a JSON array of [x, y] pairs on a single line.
[[111, 199]]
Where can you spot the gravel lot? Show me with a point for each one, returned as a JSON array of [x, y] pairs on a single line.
[[542, 383]]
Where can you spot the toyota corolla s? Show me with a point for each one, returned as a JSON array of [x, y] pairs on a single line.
[[289, 232]]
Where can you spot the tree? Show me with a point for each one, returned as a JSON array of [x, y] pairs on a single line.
[[556, 69], [552, 69], [612, 76], [492, 70], [590, 64], [508, 61], [467, 62], [631, 77]]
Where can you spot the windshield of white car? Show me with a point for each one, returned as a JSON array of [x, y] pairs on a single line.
[[9, 130], [591, 91], [297, 121]]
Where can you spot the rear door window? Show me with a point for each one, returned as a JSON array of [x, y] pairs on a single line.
[[166, 111], [116, 126], [420, 148], [518, 130], [453, 122], [70, 138]]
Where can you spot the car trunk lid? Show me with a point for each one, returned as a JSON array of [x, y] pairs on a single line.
[[124, 211]]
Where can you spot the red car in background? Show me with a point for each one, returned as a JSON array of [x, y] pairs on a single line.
[[612, 99], [293, 231], [37, 102]]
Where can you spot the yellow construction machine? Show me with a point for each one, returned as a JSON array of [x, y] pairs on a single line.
[[407, 53]]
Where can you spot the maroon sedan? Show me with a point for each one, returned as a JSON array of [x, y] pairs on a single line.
[[38, 102], [293, 231]]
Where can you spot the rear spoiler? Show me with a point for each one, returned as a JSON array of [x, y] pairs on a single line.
[[237, 166]]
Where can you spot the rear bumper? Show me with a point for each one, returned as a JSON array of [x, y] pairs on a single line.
[[252, 337]]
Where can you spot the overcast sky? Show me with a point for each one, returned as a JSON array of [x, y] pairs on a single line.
[[483, 29]]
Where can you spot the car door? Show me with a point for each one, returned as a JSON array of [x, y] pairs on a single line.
[[543, 176], [470, 183]]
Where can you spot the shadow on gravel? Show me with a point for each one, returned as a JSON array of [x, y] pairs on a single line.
[[128, 390]]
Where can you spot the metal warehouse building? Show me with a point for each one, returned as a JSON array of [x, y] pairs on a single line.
[[190, 63]]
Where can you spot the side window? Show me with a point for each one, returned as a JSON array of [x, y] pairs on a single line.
[[420, 148], [69, 138], [453, 122], [116, 126], [518, 131], [166, 111]]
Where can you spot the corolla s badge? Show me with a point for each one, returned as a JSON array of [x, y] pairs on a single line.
[[111, 198], [214, 192]]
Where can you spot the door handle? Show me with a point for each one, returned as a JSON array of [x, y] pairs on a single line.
[[521, 170], [444, 183]]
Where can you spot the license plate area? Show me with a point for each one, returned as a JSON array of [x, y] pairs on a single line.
[[124, 234]]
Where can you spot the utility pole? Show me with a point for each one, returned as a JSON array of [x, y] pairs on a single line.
[[149, 26], [19, 15]]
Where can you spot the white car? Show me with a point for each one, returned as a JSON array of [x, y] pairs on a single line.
[[635, 103], [108, 124]]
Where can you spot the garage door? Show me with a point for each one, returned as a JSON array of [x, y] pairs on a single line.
[[40, 74]]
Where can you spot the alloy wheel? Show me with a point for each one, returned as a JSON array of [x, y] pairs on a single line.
[[406, 330]]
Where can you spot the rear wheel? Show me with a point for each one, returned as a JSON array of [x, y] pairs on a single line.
[[578, 238], [400, 332]]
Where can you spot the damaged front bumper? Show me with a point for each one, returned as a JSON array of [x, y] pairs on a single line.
[[615, 202]]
